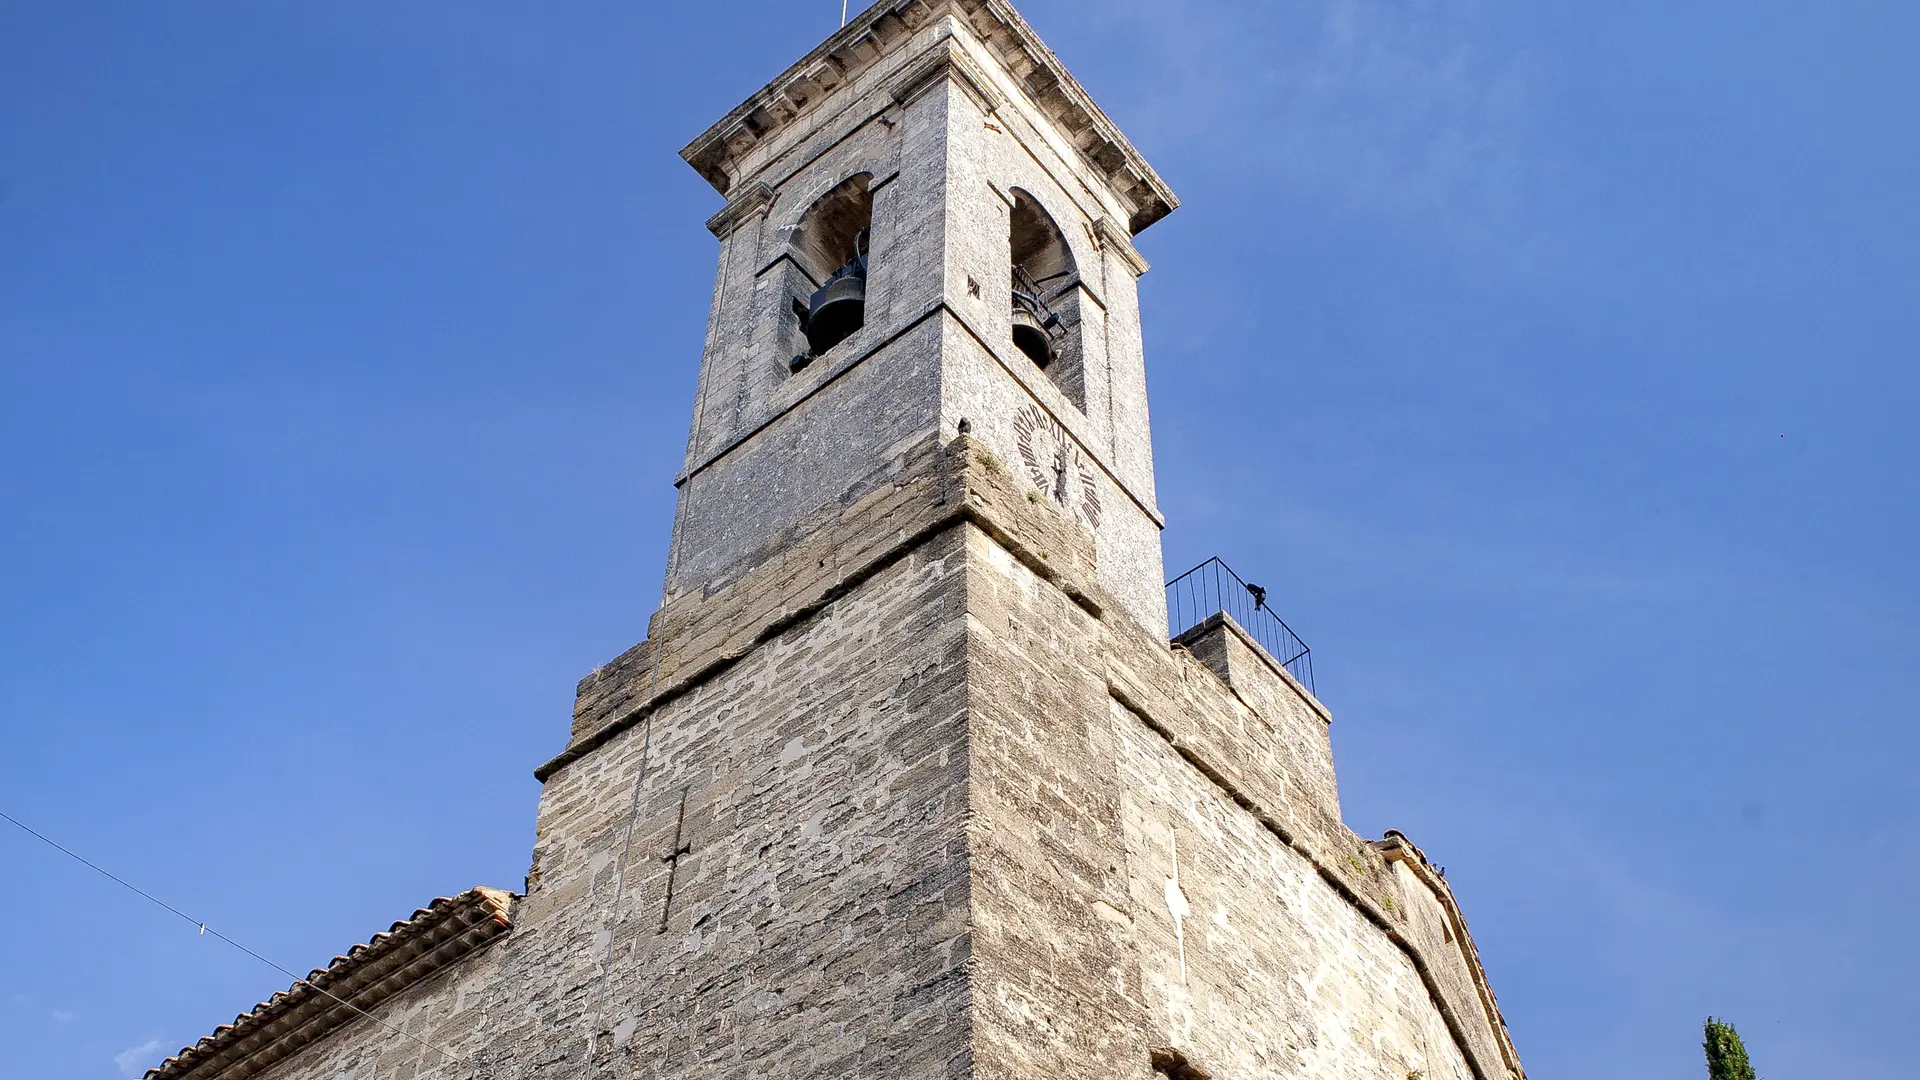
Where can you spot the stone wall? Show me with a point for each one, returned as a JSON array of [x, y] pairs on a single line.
[[947, 132], [1118, 784], [907, 781], [818, 921], [934, 791]]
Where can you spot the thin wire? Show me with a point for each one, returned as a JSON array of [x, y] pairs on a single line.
[[205, 929]]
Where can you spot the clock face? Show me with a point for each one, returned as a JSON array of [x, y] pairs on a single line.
[[1055, 465]]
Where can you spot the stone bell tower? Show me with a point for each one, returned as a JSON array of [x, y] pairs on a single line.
[[928, 224], [907, 780]]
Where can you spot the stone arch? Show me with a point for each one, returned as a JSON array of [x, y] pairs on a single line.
[[829, 246], [1038, 244], [824, 238], [1046, 295]]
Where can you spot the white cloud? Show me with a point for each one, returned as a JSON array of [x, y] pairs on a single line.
[[135, 1060]]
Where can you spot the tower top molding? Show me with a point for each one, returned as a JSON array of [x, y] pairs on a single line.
[[888, 26]]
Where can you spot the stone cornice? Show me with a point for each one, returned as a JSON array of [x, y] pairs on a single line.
[[1113, 239], [936, 487], [756, 197], [947, 59], [886, 27]]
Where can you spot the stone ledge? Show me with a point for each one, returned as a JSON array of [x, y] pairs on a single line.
[[715, 154], [609, 689], [813, 385], [755, 199], [930, 489], [1043, 394], [1398, 849], [1224, 666]]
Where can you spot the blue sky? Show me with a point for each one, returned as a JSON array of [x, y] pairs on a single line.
[[1552, 364]]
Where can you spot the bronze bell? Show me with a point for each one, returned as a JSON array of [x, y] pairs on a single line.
[[1029, 332], [836, 311], [1033, 322], [840, 306]]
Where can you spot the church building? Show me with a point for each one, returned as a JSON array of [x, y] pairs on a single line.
[[913, 778]]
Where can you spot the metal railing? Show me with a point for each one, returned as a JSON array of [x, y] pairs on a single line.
[[1212, 588]]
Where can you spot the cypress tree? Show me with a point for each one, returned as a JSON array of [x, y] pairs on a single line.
[[1726, 1054]]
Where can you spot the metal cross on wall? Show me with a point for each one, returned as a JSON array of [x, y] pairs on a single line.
[[672, 859]]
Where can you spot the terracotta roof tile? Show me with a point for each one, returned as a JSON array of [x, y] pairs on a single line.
[[436, 936]]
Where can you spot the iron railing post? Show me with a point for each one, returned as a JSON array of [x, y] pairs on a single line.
[[1214, 588]]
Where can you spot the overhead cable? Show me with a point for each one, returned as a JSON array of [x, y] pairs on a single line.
[[208, 930]]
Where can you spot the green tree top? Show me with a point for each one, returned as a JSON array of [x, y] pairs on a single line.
[[1726, 1054]]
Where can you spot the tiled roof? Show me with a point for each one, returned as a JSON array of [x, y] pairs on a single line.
[[434, 937]]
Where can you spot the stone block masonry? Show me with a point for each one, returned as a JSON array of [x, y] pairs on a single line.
[[931, 796], [933, 107], [906, 781]]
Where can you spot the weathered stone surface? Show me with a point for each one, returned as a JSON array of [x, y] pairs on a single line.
[[946, 131], [933, 790], [1307, 952], [907, 780]]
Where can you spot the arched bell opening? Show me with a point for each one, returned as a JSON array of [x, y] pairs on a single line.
[[831, 248], [1045, 303]]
